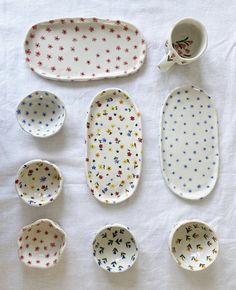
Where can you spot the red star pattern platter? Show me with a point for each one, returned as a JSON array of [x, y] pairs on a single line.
[[82, 49]]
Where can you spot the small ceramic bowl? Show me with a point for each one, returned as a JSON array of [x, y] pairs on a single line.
[[193, 245], [39, 182], [114, 248], [41, 244], [42, 114]]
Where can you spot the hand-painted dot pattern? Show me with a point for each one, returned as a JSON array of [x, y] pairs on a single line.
[[115, 249], [38, 182], [114, 146], [193, 245], [189, 143], [41, 244], [83, 49], [41, 114]]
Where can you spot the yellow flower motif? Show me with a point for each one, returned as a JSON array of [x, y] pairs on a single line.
[[100, 166], [98, 131], [129, 176], [98, 115], [127, 126], [121, 146], [138, 114], [97, 154], [92, 146], [110, 149], [113, 108], [113, 126], [135, 162], [112, 186], [136, 134], [132, 145], [109, 168], [121, 102], [109, 131], [122, 182], [124, 161]]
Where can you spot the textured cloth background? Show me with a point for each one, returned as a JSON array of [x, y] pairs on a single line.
[[153, 209]]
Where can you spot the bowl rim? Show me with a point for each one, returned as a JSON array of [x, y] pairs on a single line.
[[113, 226], [58, 129], [56, 226], [59, 190], [180, 224]]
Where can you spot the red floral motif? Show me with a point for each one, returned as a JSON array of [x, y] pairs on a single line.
[[28, 51]]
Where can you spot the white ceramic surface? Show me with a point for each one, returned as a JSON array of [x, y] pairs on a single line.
[[41, 244], [189, 142], [193, 245], [114, 146], [114, 248], [42, 114], [82, 49], [187, 42], [38, 182]]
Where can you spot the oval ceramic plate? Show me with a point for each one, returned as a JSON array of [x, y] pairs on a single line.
[[41, 244], [39, 182], [114, 146], [114, 248], [42, 114], [189, 143], [82, 49], [193, 245]]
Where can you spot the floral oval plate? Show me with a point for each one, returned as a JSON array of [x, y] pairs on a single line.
[[114, 146], [42, 114], [189, 143], [193, 245], [114, 248], [39, 182], [41, 244], [82, 49]]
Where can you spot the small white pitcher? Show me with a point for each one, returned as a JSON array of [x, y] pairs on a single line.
[[186, 43]]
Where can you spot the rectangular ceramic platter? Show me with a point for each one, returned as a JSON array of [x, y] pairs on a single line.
[[81, 49], [189, 143], [114, 146]]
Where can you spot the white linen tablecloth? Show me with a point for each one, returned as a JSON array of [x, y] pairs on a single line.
[[153, 209]]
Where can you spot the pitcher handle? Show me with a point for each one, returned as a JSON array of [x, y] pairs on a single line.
[[166, 62]]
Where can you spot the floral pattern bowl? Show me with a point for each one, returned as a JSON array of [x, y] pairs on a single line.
[[39, 182], [42, 114], [114, 248], [193, 245], [41, 244]]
